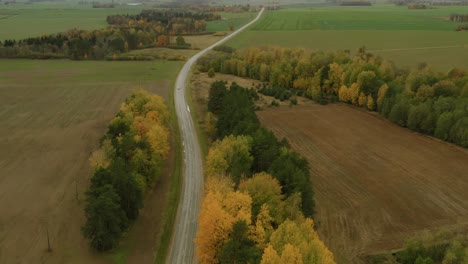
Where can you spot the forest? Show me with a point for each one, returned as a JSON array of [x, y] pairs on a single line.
[[257, 190], [126, 166], [148, 29], [420, 99]]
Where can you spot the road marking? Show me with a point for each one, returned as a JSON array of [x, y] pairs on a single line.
[[188, 108]]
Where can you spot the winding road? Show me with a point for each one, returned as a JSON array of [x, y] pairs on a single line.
[[182, 247]]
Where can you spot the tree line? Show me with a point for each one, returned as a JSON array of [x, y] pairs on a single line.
[[257, 190], [126, 166], [442, 247], [459, 17], [421, 99], [148, 29]]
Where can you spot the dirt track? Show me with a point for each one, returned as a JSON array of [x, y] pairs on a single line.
[[375, 183], [47, 132]]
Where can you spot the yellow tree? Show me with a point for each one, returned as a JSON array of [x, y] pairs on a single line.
[[270, 256], [335, 76], [301, 235], [343, 94], [362, 101], [264, 189], [221, 207], [354, 93], [230, 156], [262, 230], [158, 137], [381, 94], [290, 255]]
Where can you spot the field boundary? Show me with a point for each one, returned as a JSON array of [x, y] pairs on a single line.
[[422, 48]]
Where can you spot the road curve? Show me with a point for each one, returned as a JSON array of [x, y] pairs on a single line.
[[182, 247]]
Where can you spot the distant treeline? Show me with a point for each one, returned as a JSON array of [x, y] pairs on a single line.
[[355, 3], [148, 29], [422, 100], [203, 7], [417, 6], [126, 167], [451, 3], [459, 17], [103, 5]]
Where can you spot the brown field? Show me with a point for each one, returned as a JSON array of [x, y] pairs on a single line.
[[52, 115], [376, 184]]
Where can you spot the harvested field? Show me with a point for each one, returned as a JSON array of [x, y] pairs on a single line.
[[52, 115], [376, 184]]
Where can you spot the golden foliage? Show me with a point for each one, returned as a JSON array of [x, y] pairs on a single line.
[[370, 103], [222, 153], [300, 235], [262, 230], [221, 208], [381, 94]]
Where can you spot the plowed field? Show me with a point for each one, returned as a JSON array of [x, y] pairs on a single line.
[[375, 183]]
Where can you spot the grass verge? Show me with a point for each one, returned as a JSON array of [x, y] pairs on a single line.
[[201, 135], [174, 191]]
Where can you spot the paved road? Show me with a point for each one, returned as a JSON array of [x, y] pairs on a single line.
[[182, 248]]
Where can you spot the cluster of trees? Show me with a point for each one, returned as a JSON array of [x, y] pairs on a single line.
[[174, 22], [148, 29], [103, 5], [417, 6], [257, 190], [420, 99], [459, 17], [126, 166], [204, 7], [230, 231], [235, 115], [355, 3], [429, 249]]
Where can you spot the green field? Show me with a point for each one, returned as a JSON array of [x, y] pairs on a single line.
[[21, 20], [379, 17], [238, 19], [397, 33]]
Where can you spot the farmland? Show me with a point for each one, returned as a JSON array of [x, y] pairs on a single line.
[[32, 20], [238, 19], [376, 184], [52, 115], [397, 33]]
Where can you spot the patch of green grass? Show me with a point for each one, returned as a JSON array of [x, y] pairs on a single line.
[[21, 20], [195, 113], [378, 17], [238, 19], [119, 256], [174, 192]]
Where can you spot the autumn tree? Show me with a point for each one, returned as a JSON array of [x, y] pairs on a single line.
[[264, 189], [299, 239], [221, 208], [130, 158], [230, 156], [263, 228]]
